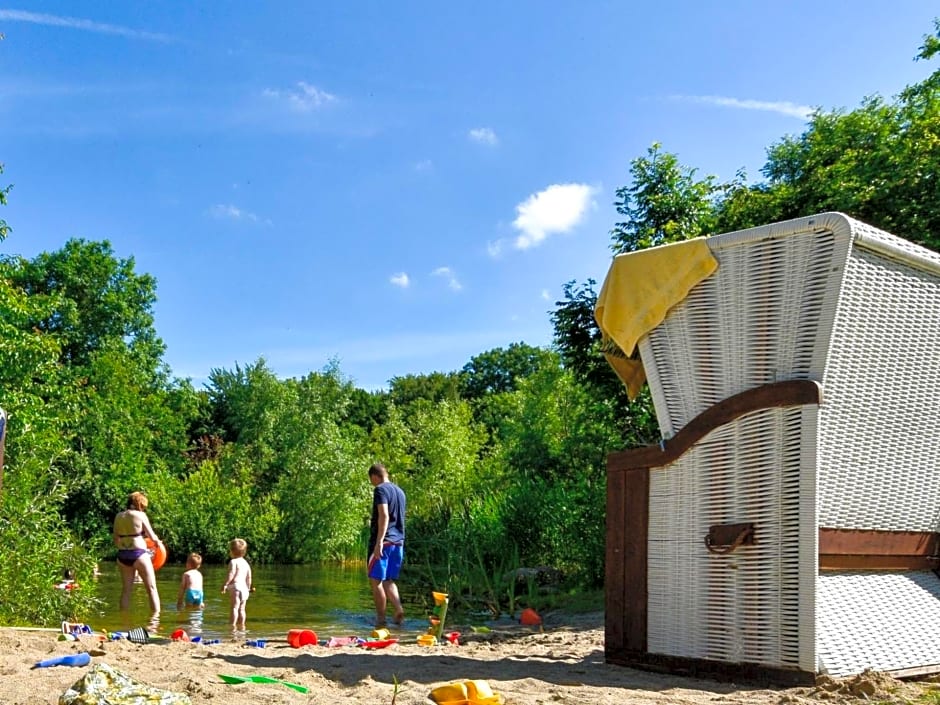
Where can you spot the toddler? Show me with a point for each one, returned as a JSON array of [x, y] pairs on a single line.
[[191, 584], [238, 582]]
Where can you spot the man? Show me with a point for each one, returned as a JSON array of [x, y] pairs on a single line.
[[386, 543]]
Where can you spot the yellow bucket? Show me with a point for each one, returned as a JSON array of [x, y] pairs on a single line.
[[380, 634], [427, 640]]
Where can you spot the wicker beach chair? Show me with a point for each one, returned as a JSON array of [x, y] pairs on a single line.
[[787, 525]]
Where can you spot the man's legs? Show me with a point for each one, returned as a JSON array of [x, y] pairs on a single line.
[[391, 595], [378, 596]]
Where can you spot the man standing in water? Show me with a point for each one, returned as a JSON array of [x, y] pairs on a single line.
[[386, 543]]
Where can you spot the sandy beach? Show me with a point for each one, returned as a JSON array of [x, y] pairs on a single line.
[[564, 663]]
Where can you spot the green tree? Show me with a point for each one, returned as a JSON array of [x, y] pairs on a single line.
[[663, 203], [99, 299], [432, 387], [39, 398], [877, 163], [500, 369]]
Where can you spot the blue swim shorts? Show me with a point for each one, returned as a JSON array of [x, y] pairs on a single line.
[[193, 597], [389, 565]]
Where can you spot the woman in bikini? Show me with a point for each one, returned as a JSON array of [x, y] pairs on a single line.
[[131, 528]]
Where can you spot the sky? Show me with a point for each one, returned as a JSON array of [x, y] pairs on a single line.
[[395, 186]]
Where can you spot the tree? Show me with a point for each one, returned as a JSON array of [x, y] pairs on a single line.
[[500, 369], [878, 163], [97, 299], [432, 387], [663, 203]]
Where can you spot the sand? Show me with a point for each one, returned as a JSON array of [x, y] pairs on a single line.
[[564, 663]]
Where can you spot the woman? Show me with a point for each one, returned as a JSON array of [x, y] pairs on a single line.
[[131, 528]]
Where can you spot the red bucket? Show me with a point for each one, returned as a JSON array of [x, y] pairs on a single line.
[[301, 637]]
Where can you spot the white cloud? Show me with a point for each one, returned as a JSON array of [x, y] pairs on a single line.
[[82, 24], [226, 211], [783, 107], [424, 165], [556, 209], [448, 274], [305, 99], [545, 295], [483, 135], [494, 249], [401, 279]]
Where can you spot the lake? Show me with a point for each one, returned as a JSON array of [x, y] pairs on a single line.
[[332, 600]]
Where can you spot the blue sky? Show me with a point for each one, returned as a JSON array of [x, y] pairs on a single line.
[[399, 186]]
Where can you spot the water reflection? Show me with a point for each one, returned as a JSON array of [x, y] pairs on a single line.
[[332, 600]]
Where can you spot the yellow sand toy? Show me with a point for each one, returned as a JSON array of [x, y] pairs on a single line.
[[435, 632], [475, 692]]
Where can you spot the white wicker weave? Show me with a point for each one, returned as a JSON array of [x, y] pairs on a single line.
[[744, 606], [829, 299]]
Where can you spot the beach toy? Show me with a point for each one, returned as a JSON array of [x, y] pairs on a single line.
[[453, 638], [258, 643], [180, 635], [211, 641], [530, 617], [196, 639], [157, 553], [138, 635], [343, 641], [380, 633], [75, 628], [378, 643], [82, 659], [232, 680], [301, 637], [476, 692], [427, 640], [438, 614]]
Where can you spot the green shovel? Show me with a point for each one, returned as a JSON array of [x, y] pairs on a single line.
[[231, 680]]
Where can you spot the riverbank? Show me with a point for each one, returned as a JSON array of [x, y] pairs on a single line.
[[562, 664]]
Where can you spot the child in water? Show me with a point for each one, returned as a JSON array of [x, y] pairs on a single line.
[[238, 582], [190, 592]]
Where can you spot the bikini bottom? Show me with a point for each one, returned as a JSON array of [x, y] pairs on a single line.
[[129, 556]]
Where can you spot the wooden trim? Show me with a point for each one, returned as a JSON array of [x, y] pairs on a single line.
[[860, 549], [626, 559], [795, 392]]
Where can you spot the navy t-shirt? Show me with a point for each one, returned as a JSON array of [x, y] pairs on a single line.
[[391, 494]]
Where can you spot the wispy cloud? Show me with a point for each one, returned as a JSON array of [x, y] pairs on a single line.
[[556, 209], [404, 346], [83, 24], [306, 98], [483, 135], [545, 295], [782, 107], [401, 279], [226, 211], [448, 275], [423, 165]]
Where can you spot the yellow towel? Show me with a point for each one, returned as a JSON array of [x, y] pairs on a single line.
[[638, 292]]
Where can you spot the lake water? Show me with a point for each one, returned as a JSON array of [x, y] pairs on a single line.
[[332, 600]]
